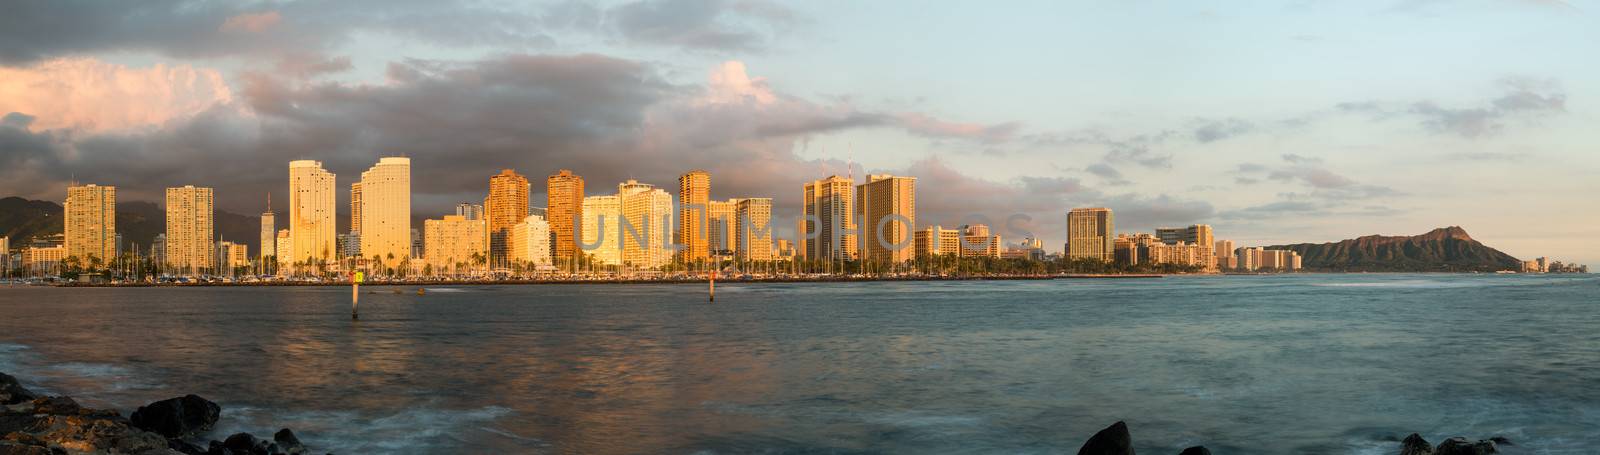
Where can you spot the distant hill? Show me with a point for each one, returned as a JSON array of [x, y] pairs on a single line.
[[1441, 250], [139, 222]]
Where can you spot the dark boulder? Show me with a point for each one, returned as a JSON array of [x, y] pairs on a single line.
[[177, 417], [288, 442], [1501, 441], [61, 406], [246, 443], [1460, 446], [1114, 440], [1196, 450], [1415, 445], [184, 447], [12, 392]]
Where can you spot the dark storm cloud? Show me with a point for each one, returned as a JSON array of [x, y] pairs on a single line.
[[32, 30]]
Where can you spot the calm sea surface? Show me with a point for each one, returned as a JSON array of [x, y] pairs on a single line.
[[1276, 364]]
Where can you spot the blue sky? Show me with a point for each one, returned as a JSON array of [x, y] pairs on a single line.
[[1273, 121]]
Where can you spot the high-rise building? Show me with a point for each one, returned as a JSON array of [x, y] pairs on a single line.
[[753, 229], [91, 222], [720, 220], [1134, 249], [416, 243], [311, 213], [886, 208], [646, 225], [1091, 234], [506, 206], [385, 229], [979, 242], [1223, 251], [694, 200], [828, 219], [269, 232], [564, 193], [350, 247], [355, 207], [191, 230], [453, 244], [5, 255], [285, 253], [937, 241], [469, 211], [530, 242], [1199, 235], [600, 234], [43, 260]]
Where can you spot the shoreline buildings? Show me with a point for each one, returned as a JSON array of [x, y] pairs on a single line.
[[454, 244], [311, 213], [827, 226], [601, 231], [1090, 234], [384, 204], [564, 210], [646, 225], [191, 230], [90, 225], [506, 206], [886, 207], [694, 206]]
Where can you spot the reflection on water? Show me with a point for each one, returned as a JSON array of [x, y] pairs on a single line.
[[1308, 364]]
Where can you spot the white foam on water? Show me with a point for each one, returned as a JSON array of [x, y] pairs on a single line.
[[413, 430]]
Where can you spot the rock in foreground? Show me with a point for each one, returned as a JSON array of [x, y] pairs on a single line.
[[180, 417], [1114, 440]]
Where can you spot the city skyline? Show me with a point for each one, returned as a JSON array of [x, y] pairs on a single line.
[[1278, 128]]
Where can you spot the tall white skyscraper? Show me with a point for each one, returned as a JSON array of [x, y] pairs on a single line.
[[648, 211], [604, 245]]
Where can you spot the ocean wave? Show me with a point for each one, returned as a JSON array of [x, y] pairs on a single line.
[[413, 430]]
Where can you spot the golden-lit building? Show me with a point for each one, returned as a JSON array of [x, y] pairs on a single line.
[[1223, 251], [979, 242], [937, 241], [39, 260], [1181, 253], [529, 243], [506, 206], [453, 244], [886, 207], [828, 226], [1134, 249], [720, 225], [1090, 234], [694, 199], [311, 213], [601, 234], [753, 229], [91, 222], [1199, 235], [564, 209], [191, 229], [647, 211], [385, 229], [285, 248]]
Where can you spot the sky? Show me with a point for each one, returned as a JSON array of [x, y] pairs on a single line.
[[1274, 122]]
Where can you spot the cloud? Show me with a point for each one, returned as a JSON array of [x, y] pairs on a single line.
[[251, 22], [91, 95], [701, 24], [1215, 130], [1520, 100], [32, 31], [923, 125]]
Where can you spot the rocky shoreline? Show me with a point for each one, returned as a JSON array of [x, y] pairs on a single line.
[[56, 425]]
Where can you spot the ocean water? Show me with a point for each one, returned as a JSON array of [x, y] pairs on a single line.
[[1316, 364]]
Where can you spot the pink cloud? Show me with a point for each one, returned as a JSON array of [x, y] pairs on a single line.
[[93, 95], [251, 22]]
